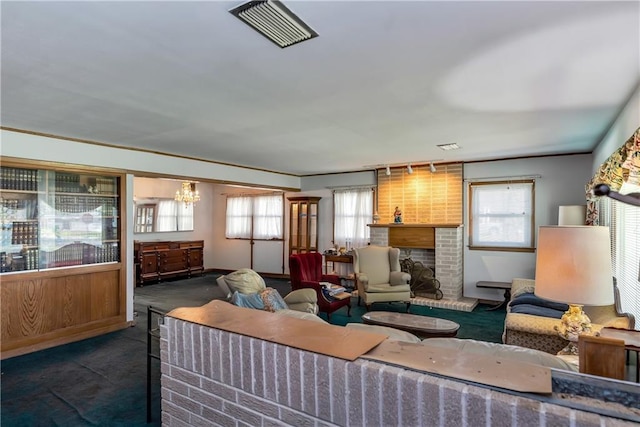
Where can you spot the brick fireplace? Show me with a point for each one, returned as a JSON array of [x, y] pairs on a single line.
[[438, 246]]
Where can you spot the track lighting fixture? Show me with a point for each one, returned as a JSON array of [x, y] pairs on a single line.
[[432, 168], [409, 169], [388, 171]]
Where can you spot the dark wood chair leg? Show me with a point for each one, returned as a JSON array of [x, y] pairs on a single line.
[[408, 306], [359, 302], [348, 310], [367, 307]]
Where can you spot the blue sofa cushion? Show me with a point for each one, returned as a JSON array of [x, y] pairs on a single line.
[[531, 299], [537, 310]]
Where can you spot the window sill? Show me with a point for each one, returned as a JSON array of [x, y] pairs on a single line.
[[500, 249]]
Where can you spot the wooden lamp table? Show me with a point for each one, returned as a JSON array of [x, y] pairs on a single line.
[[631, 340]]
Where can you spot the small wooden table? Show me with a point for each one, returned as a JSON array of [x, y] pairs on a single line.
[[497, 285], [345, 259], [631, 340], [421, 326]]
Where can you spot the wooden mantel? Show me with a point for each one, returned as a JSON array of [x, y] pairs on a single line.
[[419, 236]]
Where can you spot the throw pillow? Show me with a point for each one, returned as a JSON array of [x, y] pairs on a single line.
[[272, 300], [536, 310], [245, 281], [247, 301], [530, 298], [224, 288], [268, 300]]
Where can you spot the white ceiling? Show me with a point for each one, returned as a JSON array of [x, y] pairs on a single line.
[[384, 82]]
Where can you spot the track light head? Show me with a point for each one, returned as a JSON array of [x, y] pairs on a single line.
[[432, 168], [388, 171], [409, 169]]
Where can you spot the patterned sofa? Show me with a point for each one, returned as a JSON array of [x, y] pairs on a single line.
[[537, 332]]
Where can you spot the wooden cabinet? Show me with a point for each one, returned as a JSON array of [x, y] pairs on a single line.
[[61, 278], [167, 259], [303, 224]]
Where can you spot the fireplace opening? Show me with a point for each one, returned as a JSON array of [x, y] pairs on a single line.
[[423, 281]]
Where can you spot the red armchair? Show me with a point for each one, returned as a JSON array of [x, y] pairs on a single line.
[[306, 272]]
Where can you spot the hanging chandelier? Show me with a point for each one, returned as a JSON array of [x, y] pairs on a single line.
[[188, 195]]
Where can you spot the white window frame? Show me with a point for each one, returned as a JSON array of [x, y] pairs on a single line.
[[501, 221]]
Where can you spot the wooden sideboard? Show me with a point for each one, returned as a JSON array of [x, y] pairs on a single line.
[[158, 260]]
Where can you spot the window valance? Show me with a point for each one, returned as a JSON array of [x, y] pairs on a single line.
[[623, 166]]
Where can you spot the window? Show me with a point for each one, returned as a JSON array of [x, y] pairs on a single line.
[[163, 215], [624, 223], [353, 210], [254, 217], [166, 216], [501, 215]]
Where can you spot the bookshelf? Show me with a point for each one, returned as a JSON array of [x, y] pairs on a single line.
[[56, 219], [61, 279]]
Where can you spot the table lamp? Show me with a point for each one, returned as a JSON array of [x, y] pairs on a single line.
[[573, 266], [572, 215]]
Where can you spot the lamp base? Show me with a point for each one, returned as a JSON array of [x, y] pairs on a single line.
[[574, 322], [570, 349]]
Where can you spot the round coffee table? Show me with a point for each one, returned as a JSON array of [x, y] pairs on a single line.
[[421, 326]]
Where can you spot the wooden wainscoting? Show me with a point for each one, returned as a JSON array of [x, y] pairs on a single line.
[[45, 309]]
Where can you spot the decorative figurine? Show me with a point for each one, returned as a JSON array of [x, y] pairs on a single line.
[[397, 215]]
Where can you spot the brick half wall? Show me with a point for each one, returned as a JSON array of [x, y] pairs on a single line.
[[216, 378]]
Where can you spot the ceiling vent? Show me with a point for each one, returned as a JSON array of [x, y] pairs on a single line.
[[274, 21]]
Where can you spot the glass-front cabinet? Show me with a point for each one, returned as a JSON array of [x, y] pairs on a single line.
[[303, 224], [56, 219]]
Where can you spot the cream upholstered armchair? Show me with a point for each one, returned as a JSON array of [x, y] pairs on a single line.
[[378, 276]]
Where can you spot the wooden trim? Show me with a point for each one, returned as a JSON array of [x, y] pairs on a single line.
[[60, 272], [394, 225], [532, 222], [142, 150], [16, 162], [412, 237], [110, 325]]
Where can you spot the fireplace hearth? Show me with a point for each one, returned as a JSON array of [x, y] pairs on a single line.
[[423, 281]]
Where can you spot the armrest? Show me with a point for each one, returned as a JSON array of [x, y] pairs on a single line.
[[362, 279], [331, 278], [301, 296], [311, 284], [399, 278]]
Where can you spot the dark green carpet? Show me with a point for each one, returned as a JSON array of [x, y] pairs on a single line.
[[479, 324], [102, 381]]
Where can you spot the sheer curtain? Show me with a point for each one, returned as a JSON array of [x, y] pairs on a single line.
[[238, 217], [267, 217], [353, 210], [185, 216], [166, 215]]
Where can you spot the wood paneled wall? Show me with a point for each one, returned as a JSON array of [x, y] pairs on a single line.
[[41, 309], [424, 197]]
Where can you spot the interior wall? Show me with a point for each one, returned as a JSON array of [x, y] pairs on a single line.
[[203, 226], [624, 126], [561, 182]]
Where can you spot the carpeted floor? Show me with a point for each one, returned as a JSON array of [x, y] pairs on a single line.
[[102, 381]]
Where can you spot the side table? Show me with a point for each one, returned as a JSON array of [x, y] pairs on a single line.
[[631, 340], [497, 285]]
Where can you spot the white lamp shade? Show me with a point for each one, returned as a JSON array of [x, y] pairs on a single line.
[[573, 265], [572, 215]]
